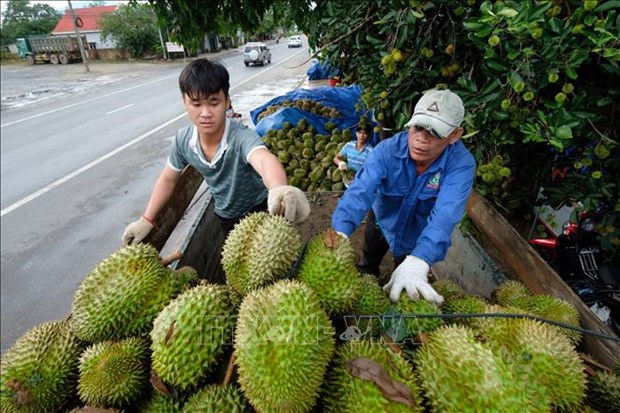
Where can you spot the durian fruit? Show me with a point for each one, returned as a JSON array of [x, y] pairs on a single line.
[[122, 296], [459, 374], [512, 293], [348, 389], [604, 391], [283, 343], [114, 373], [405, 324], [183, 278], [39, 371], [159, 403], [464, 305], [328, 268], [260, 249], [448, 289], [189, 334], [372, 302], [556, 309], [549, 359], [216, 398], [88, 409]]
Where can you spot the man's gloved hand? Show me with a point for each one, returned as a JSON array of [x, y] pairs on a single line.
[[412, 275], [289, 202], [342, 165], [137, 231]]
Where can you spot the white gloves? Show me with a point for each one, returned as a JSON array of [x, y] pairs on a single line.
[[289, 202], [137, 231], [412, 275], [342, 234], [342, 165]]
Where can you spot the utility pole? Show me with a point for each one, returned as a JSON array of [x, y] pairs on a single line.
[[79, 38], [163, 46]]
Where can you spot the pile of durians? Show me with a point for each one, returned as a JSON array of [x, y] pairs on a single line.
[[308, 156], [305, 332], [307, 105]]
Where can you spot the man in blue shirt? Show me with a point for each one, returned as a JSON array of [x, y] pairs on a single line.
[[416, 185]]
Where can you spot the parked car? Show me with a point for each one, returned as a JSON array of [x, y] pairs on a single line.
[[256, 53], [294, 41]]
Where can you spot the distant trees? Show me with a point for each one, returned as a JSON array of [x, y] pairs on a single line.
[[134, 27], [22, 19]]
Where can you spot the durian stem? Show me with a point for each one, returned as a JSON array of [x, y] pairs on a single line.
[[392, 345], [166, 261], [229, 371]]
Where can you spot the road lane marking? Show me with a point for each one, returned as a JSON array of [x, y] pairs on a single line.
[[119, 109], [38, 115], [77, 172]]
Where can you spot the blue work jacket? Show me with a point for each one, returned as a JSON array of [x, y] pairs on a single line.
[[415, 213]]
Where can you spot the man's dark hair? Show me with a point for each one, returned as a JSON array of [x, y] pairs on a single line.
[[203, 78], [362, 126]]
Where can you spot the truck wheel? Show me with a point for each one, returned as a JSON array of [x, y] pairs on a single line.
[[30, 59], [53, 59], [62, 58]]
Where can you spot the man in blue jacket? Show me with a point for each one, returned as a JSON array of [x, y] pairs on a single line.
[[416, 185]]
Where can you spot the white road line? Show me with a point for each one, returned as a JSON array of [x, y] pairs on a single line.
[[75, 173], [119, 109], [85, 101]]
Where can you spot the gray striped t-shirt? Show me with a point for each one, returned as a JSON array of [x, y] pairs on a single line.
[[235, 186]]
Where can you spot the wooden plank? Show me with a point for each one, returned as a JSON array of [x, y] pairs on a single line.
[[171, 215], [538, 276]]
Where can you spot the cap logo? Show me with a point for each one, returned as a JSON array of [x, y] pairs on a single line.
[[433, 107]]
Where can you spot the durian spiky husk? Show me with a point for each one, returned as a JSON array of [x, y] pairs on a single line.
[[122, 296], [190, 333], [328, 268], [373, 301], [159, 403], [512, 293], [459, 374], [556, 309], [464, 305], [283, 342], [39, 371], [604, 391], [548, 357], [409, 308], [448, 289], [216, 398], [260, 249], [114, 373], [346, 393]]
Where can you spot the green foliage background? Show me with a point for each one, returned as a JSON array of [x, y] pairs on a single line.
[[134, 27], [540, 81]]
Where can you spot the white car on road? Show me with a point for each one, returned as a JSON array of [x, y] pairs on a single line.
[[294, 41]]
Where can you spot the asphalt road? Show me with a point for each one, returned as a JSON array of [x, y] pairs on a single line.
[[78, 165]]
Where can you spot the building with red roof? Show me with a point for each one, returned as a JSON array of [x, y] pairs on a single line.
[[88, 24]]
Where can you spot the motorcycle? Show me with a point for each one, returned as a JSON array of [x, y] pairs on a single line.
[[575, 254]]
